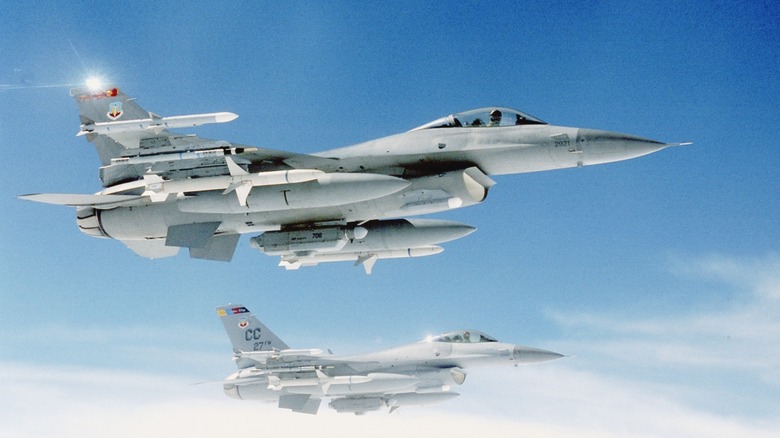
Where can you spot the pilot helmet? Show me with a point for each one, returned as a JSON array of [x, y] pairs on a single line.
[[495, 115]]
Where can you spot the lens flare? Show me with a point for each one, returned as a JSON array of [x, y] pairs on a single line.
[[94, 83]]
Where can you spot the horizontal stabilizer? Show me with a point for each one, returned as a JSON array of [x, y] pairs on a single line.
[[300, 403], [151, 249], [219, 248], [77, 200], [191, 235]]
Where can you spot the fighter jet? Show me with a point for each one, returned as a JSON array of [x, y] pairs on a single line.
[[163, 191], [412, 375]]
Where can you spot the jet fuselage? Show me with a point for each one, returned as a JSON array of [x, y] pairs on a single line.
[[430, 161]]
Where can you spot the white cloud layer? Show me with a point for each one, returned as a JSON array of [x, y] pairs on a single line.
[[542, 401], [738, 336], [707, 373]]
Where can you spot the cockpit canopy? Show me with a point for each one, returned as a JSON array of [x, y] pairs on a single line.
[[483, 117], [463, 337]]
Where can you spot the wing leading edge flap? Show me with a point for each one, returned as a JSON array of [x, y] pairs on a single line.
[[300, 403]]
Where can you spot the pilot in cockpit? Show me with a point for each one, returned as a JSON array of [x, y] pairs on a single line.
[[495, 118]]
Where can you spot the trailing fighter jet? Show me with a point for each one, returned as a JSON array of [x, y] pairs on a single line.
[[412, 375], [163, 191]]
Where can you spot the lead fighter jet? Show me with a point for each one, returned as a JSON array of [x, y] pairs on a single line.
[[412, 375], [163, 191]]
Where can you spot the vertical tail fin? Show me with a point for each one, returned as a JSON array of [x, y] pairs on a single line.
[[106, 104], [246, 332]]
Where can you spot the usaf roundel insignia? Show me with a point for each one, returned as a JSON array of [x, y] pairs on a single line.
[[243, 323], [114, 110]]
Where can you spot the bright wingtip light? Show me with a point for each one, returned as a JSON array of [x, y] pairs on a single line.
[[94, 83]]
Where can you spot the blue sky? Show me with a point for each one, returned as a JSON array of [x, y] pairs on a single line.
[[660, 275]]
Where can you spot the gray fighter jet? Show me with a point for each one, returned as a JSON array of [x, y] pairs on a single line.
[[412, 375], [163, 191]]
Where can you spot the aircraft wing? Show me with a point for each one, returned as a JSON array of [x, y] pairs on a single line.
[[77, 200]]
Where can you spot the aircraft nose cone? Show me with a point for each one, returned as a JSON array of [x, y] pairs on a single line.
[[605, 146], [523, 354]]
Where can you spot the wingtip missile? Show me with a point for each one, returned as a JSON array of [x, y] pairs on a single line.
[[155, 123], [225, 116]]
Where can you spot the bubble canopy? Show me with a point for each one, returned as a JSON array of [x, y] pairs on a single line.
[[463, 337], [483, 117]]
